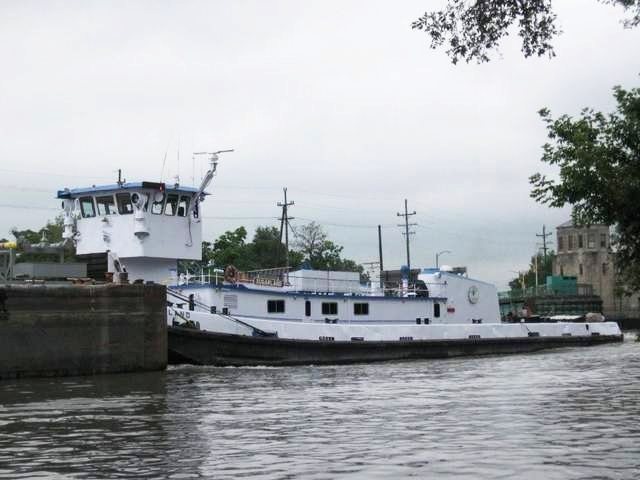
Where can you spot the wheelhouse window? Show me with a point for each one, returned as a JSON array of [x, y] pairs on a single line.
[[183, 206], [275, 306], [329, 308], [158, 203], [436, 310], [87, 207], [171, 205], [106, 205], [124, 203], [361, 309]]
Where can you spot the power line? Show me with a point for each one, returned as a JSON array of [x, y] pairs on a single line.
[[49, 174], [26, 207], [238, 218]]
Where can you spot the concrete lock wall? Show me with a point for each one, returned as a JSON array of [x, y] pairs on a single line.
[[48, 330]]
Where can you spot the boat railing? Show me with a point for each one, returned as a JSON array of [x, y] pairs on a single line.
[[577, 290], [325, 285]]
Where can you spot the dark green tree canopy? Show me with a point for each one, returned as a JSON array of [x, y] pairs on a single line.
[[229, 249], [471, 29], [598, 157], [267, 251]]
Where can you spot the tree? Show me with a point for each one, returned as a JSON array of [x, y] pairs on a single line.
[[50, 233], [230, 249], [472, 28], [309, 240], [266, 250], [321, 253], [544, 268], [598, 156]]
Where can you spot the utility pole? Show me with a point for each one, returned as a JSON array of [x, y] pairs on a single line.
[[380, 253], [284, 225], [544, 236], [406, 232]]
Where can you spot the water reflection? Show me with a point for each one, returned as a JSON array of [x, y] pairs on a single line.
[[565, 414]]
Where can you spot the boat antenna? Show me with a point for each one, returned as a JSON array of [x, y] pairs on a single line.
[[178, 160], [213, 166], [164, 161]]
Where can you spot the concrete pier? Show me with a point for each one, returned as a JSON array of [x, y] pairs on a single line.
[[60, 330]]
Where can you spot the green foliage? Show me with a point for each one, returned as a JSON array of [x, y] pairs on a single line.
[[266, 248], [231, 249], [267, 251], [545, 268], [264, 251], [598, 156], [50, 233], [319, 252], [471, 29]]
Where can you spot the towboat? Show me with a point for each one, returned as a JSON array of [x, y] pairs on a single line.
[[284, 317]]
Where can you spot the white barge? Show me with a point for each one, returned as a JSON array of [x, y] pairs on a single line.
[[278, 317]]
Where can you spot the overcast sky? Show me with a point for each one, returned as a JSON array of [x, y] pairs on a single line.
[[340, 101]]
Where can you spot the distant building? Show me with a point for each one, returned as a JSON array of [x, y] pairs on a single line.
[[585, 253]]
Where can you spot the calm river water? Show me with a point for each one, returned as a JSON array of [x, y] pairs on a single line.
[[572, 413]]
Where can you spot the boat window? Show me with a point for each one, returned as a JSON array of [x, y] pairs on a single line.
[[158, 202], [172, 204], [183, 206], [87, 208], [436, 310], [307, 308], [329, 308], [361, 309], [106, 205], [275, 306], [124, 203]]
